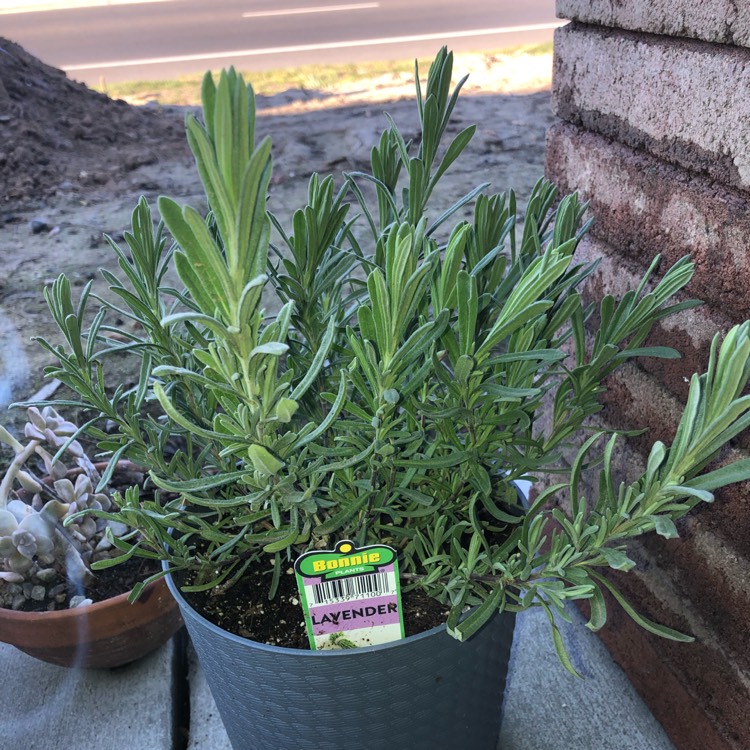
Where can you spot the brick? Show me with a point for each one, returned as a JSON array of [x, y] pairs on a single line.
[[715, 577], [642, 206], [684, 101], [693, 689], [722, 21]]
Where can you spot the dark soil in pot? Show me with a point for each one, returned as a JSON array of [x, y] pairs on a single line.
[[245, 610], [108, 583]]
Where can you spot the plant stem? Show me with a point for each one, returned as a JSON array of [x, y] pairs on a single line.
[[18, 462]]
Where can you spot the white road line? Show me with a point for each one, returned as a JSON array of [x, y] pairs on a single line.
[[448, 35], [13, 7], [301, 11]]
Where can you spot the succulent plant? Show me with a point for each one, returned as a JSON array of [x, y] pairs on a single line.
[[45, 549]]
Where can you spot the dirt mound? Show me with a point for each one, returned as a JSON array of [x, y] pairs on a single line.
[[57, 133]]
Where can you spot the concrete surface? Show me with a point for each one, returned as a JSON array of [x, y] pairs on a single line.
[[684, 101], [206, 730], [45, 707], [724, 21], [51, 708], [548, 709]]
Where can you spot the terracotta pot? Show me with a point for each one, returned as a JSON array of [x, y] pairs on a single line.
[[103, 635]]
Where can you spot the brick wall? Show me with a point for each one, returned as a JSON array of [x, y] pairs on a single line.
[[653, 105]]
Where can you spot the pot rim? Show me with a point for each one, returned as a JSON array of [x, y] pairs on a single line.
[[66, 614]]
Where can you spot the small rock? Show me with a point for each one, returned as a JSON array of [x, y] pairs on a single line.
[[39, 225], [140, 159], [46, 575], [38, 593], [103, 545], [18, 602], [57, 591], [79, 601]]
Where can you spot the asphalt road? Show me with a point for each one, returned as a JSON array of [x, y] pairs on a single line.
[[157, 39]]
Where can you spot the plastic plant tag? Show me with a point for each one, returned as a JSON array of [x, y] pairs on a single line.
[[350, 597]]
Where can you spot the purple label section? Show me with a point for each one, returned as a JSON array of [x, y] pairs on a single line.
[[353, 615]]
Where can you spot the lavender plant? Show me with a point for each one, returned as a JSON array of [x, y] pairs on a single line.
[[396, 392], [47, 540]]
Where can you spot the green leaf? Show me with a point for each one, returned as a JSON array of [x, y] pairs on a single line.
[[660, 352], [317, 363], [264, 462], [481, 477], [738, 471], [330, 418], [562, 653], [616, 559], [463, 369], [478, 616], [665, 527], [112, 561], [200, 484], [598, 611], [180, 419], [207, 265], [334, 523], [645, 623], [419, 343], [286, 541], [273, 348], [194, 317], [435, 462], [702, 495], [391, 396], [201, 144], [459, 143], [285, 409], [111, 466]]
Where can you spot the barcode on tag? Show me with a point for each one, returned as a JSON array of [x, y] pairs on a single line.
[[344, 589]]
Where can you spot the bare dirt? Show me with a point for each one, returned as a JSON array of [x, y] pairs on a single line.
[[245, 611], [73, 164]]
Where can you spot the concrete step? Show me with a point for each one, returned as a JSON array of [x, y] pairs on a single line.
[[45, 707], [141, 706]]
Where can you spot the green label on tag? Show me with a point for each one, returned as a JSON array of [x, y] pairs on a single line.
[[350, 596]]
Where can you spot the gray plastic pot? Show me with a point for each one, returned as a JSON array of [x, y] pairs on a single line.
[[426, 692]]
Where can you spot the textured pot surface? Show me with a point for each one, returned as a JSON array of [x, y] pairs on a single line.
[[422, 693], [103, 635]]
